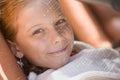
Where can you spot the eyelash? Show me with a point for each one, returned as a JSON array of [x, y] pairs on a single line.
[[59, 22], [38, 31]]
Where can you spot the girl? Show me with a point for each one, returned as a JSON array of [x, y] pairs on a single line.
[[37, 31]]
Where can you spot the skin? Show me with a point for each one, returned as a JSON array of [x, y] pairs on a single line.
[[109, 19], [43, 35], [84, 24], [113, 28]]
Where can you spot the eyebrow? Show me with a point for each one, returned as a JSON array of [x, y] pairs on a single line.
[[33, 27], [59, 12]]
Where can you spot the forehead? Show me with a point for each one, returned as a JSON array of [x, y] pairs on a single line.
[[40, 7], [47, 5], [39, 11]]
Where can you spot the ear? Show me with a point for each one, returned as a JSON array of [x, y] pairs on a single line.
[[15, 49]]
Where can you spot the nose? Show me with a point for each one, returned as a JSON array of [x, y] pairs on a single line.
[[55, 37]]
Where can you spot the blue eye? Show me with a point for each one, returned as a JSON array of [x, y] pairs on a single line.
[[38, 31], [59, 22]]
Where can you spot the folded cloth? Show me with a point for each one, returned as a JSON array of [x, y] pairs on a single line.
[[89, 64]]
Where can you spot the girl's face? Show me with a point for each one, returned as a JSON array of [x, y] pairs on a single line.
[[44, 36]]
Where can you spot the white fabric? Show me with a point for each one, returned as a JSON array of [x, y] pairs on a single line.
[[89, 64], [32, 76]]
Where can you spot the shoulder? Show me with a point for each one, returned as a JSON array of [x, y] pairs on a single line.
[[82, 45]]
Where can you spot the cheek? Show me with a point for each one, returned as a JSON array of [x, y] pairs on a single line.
[[69, 33], [32, 48], [36, 47], [69, 37], [35, 52]]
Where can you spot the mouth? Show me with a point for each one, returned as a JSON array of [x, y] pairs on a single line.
[[60, 51]]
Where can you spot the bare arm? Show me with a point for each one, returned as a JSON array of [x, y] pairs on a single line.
[[84, 24], [9, 70]]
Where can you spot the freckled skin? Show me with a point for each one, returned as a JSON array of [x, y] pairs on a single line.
[[44, 37]]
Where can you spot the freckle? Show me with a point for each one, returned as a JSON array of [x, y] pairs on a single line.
[[47, 11], [44, 15]]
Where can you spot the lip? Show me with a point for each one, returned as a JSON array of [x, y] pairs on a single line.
[[59, 51]]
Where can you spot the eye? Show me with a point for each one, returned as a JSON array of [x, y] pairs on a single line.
[[59, 22], [38, 31]]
